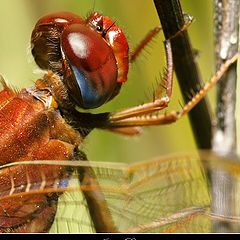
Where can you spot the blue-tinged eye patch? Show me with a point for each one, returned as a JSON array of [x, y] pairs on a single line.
[[90, 96]]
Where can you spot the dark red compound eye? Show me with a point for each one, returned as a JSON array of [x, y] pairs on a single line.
[[92, 63], [115, 37], [90, 56]]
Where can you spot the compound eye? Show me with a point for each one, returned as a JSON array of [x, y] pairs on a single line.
[[91, 77]]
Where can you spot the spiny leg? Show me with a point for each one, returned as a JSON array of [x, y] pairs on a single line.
[[165, 83], [188, 21], [141, 115], [151, 34], [157, 104], [133, 56], [160, 102], [143, 43]]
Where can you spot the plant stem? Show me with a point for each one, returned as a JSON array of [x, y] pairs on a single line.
[[172, 21], [224, 187]]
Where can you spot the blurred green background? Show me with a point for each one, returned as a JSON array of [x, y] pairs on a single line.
[[136, 17]]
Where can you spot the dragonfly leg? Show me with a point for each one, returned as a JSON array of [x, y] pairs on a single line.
[[157, 104], [97, 204], [143, 43], [148, 113], [160, 102], [150, 36]]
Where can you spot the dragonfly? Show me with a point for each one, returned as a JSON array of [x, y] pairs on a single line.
[[87, 62]]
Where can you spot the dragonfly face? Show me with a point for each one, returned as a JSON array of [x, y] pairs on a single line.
[[90, 56]]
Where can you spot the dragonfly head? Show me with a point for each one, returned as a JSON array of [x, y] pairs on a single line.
[[90, 55]]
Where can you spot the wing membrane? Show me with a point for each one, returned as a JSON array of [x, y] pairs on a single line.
[[169, 194]]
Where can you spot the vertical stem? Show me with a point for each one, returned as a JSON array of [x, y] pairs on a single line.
[[172, 21], [224, 192]]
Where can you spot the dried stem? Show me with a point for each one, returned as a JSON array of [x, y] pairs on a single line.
[[224, 139]]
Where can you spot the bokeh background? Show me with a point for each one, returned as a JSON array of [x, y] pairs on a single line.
[[136, 17]]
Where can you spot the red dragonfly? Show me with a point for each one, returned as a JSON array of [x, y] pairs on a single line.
[[87, 63]]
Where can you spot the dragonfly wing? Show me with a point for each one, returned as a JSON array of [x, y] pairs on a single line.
[[169, 194]]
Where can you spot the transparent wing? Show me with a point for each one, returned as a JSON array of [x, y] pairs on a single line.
[[169, 194]]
